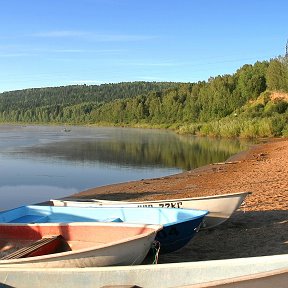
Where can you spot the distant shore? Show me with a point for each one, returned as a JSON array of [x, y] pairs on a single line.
[[259, 230]]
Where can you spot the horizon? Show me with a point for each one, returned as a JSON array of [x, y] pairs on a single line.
[[97, 42]]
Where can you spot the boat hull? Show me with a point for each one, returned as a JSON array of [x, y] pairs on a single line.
[[264, 272]]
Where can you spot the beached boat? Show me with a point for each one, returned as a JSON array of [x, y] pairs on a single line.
[[179, 225], [74, 244], [260, 272], [220, 207]]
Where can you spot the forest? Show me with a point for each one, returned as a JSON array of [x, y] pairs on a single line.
[[252, 102]]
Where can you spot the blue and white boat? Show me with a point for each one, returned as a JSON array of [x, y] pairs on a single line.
[[179, 225]]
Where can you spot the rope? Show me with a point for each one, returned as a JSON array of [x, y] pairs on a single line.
[[155, 250]]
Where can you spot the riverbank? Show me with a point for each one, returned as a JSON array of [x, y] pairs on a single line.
[[260, 228]]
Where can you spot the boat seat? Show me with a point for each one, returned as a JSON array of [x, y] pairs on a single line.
[[46, 245]]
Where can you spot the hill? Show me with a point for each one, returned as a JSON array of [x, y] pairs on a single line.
[[250, 103]]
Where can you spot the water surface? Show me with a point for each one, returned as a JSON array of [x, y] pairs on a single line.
[[42, 162]]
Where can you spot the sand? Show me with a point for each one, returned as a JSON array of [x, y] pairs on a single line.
[[259, 228]]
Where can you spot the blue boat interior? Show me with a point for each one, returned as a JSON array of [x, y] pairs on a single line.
[[53, 214]]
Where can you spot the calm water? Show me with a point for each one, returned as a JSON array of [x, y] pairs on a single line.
[[39, 162]]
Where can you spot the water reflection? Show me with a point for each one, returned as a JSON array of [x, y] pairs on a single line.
[[134, 148]]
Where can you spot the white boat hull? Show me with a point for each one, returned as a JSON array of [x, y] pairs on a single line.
[[90, 244], [220, 207], [264, 272]]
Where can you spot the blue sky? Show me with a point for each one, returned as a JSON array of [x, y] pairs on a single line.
[[46, 43]]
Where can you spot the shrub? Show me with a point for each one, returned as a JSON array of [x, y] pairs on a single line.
[[278, 125]]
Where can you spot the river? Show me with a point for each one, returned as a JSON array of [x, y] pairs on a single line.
[[38, 163]]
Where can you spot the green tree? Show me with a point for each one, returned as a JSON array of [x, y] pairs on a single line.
[[277, 75]]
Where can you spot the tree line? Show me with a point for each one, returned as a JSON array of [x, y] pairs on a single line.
[[228, 105]]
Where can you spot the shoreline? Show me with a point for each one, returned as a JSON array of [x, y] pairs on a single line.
[[258, 229]]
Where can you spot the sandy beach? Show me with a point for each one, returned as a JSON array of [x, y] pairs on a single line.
[[258, 229]]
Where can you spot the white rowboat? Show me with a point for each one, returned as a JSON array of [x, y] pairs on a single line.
[[74, 244], [220, 207]]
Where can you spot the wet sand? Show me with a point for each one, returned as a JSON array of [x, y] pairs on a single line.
[[259, 228]]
